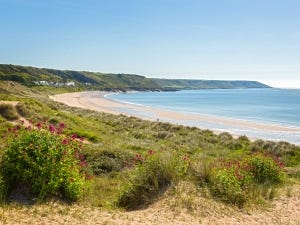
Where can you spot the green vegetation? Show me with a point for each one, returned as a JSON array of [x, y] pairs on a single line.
[[48, 162], [149, 178], [132, 162], [206, 84], [83, 80], [31, 76], [234, 181], [8, 112]]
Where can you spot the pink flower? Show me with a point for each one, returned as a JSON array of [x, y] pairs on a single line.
[[59, 130], [52, 128], [81, 157], [150, 152], [65, 141], [39, 125], [74, 136], [62, 125], [83, 163]]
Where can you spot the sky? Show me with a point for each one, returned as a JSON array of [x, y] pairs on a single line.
[[198, 39]]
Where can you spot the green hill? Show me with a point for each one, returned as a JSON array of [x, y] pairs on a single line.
[[31, 76], [206, 84]]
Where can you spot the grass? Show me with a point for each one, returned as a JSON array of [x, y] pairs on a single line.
[[8, 112], [113, 142]]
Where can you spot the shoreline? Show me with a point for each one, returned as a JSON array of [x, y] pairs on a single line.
[[97, 101]]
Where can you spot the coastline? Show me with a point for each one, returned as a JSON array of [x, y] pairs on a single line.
[[97, 101]]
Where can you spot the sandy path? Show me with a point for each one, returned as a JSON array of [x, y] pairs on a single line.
[[284, 210], [96, 101], [24, 120]]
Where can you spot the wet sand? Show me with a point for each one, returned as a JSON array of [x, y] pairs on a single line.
[[98, 102]]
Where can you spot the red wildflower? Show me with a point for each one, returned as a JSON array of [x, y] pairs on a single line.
[[74, 136], [83, 163], [81, 138], [39, 125], [59, 130], [150, 152], [81, 157], [138, 156], [62, 125], [52, 128], [65, 141]]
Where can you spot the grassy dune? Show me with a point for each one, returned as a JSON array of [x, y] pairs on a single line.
[[171, 173]]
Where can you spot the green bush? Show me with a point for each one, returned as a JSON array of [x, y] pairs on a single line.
[[106, 161], [45, 160], [149, 178], [235, 181], [22, 110], [226, 186], [265, 169], [8, 112]]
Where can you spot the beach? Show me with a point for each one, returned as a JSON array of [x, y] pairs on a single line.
[[97, 101]]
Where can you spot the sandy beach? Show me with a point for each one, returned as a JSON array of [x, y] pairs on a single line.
[[97, 101]]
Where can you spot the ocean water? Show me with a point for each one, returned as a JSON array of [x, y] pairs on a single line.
[[267, 106]]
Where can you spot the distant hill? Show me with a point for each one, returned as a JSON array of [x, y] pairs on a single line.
[[31, 76], [206, 84]]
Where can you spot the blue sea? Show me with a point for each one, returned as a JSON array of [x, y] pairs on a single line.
[[266, 106]]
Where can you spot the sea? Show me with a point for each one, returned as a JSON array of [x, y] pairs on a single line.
[[271, 106]]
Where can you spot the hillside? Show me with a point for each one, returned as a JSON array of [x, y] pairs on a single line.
[[206, 84], [31, 76]]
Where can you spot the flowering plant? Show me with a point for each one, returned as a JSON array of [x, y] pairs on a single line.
[[49, 162]]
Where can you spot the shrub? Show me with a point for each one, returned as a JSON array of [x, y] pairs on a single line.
[[106, 161], [22, 110], [8, 112], [45, 160], [234, 181], [149, 178], [227, 187], [265, 169]]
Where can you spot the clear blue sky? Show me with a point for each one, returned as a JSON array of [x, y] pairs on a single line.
[[202, 39]]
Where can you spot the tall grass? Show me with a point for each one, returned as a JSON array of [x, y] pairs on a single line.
[[149, 179], [8, 112]]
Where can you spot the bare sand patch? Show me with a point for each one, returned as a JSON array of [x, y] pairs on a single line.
[[283, 210]]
